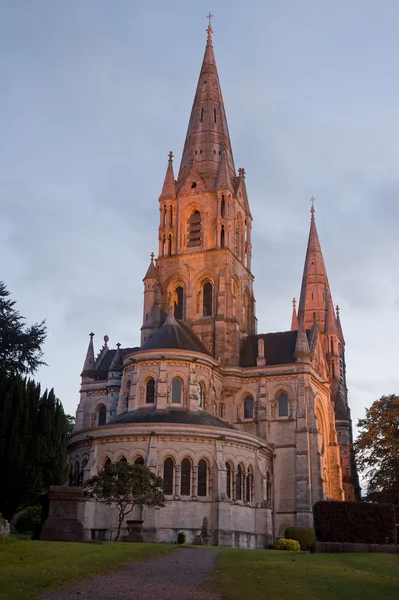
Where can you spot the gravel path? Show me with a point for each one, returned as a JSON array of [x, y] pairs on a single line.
[[177, 576]]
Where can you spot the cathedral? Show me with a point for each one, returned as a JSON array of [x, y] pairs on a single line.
[[247, 429]]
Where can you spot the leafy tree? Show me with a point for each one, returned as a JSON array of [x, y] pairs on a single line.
[[377, 449], [125, 486], [20, 344]]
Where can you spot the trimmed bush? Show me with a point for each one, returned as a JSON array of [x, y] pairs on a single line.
[[354, 522], [304, 535], [291, 545], [30, 520], [181, 537]]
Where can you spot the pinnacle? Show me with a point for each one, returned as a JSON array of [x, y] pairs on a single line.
[[89, 364], [169, 185]]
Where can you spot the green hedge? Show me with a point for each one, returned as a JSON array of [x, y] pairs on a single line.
[[354, 522], [304, 535], [29, 520], [292, 545]]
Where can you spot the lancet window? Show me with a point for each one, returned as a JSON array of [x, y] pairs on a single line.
[[168, 476], [283, 405], [194, 230], [178, 310], [207, 292], [185, 477], [248, 408], [202, 478], [150, 391]]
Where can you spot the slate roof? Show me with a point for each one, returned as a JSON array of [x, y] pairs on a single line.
[[103, 367], [172, 334], [279, 348], [179, 416]]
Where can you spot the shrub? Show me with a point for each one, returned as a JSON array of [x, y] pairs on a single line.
[[354, 522], [30, 520], [304, 535], [181, 537], [291, 545]]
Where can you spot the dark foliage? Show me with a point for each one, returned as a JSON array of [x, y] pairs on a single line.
[[33, 443], [181, 538], [304, 535], [354, 522], [29, 520], [20, 344]]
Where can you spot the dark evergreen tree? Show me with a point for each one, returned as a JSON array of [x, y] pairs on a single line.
[[20, 344], [33, 443]]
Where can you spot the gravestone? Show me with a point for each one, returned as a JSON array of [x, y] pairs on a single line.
[[62, 524]]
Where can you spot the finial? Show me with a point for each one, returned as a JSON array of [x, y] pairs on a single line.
[[209, 28], [91, 335], [106, 339], [294, 303], [337, 309], [312, 210], [118, 345], [152, 256], [241, 173], [170, 155]]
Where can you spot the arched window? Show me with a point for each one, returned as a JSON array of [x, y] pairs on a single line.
[[122, 459], [268, 490], [170, 245], [222, 207], [239, 482], [207, 299], [177, 389], [200, 394], [163, 245], [168, 476], [102, 415], [76, 470], [129, 383], [106, 462], [185, 477], [71, 482], [283, 405], [81, 472], [178, 311], [164, 215], [139, 460], [222, 237], [228, 480], [246, 311], [248, 408], [202, 477], [150, 391], [171, 216], [250, 484], [194, 230]]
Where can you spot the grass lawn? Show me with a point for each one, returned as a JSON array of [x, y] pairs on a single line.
[[29, 568], [274, 575]]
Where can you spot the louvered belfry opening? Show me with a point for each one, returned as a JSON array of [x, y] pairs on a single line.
[[194, 230]]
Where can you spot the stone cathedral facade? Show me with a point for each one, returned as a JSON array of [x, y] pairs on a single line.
[[248, 430]]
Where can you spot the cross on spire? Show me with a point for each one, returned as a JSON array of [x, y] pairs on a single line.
[[312, 210], [152, 256], [209, 28], [170, 155]]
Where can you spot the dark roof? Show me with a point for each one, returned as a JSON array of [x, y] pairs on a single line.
[[279, 348], [103, 367], [172, 334], [179, 416]]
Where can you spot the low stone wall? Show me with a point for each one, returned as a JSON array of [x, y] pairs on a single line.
[[346, 547]]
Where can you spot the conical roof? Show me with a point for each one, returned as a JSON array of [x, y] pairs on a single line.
[[294, 318], [89, 367], [152, 270], [117, 361], [315, 296], [302, 350], [207, 132], [169, 184]]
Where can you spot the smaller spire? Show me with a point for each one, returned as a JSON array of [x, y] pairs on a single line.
[[117, 361], [302, 350], [294, 320], [152, 270], [339, 326], [169, 184], [89, 367]]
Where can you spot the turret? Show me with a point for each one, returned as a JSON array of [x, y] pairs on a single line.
[[114, 380], [151, 316]]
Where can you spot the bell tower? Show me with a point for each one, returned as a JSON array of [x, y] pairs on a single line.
[[204, 260]]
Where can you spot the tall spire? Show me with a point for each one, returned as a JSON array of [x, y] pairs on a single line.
[[207, 133], [89, 364], [169, 184], [315, 299], [294, 319]]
